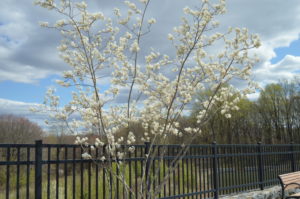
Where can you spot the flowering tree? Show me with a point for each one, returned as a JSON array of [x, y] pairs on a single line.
[[158, 87]]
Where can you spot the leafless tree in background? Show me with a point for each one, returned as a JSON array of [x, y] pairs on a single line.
[[18, 130]]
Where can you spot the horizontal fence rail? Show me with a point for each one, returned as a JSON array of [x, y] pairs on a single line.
[[204, 171]]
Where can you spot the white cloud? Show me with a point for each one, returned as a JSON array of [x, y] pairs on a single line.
[[27, 52], [22, 109], [24, 73], [287, 68], [253, 96], [26, 46]]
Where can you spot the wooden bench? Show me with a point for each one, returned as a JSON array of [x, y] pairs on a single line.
[[290, 181]]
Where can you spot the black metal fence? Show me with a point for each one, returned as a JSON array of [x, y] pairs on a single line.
[[206, 171]]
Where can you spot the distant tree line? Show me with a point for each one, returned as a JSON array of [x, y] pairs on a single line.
[[18, 130], [273, 118]]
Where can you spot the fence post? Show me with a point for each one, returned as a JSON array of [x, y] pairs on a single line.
[[293, 163], [38, 169], [215, 169], [260, 166], [147, 169]]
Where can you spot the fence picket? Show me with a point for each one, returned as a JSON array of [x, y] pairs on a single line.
[[38, 169]]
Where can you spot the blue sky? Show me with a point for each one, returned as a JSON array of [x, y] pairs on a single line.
[[29, 62], [33, 92], [281, 52]]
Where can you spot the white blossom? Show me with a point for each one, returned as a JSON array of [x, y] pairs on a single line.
[[135, 47], [188, 130], [144, 1], [81, 5], [44, 24], [170, 37], [102, 158], [228, 115], [131, 149], [60, 23], [152, 21], [86, 156], [62, 47]]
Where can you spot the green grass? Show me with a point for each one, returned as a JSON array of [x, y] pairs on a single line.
[[184, 177], [187, 174], [84, 180]]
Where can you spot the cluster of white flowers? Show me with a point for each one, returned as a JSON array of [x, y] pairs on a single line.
[[102, 158], [135, 46], [98, 142], [86, 156], [133, 7], [192, 130], [131, 149], [130, 138], [107, 62], [120, 155], [152, 21], [81, 141], [170, 37], [44, 24], [63, 83], [144, 1], [60, 23], [49, 4]]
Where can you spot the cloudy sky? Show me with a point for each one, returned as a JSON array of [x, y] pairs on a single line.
[[29, 61]]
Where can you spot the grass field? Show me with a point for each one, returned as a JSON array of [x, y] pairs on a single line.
[[180, 181], [190, 176]]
